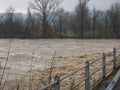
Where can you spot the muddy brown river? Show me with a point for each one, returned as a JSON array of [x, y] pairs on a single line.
[[39, 52]]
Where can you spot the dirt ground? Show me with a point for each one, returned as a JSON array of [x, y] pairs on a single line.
[[28, 56]]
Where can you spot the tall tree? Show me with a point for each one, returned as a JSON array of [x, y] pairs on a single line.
[[47, 12], [114, 14], [10, 21], [61, 20], [81, 14], [1, 26], [29, 25], [18, 25], [94, 19]]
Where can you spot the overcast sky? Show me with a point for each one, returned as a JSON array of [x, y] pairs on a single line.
[[69, 5]]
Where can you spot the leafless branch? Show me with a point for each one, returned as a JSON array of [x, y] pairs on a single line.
[[51, 68], [2, 76]]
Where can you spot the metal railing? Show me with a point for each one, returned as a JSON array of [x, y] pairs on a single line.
[[88, 74]]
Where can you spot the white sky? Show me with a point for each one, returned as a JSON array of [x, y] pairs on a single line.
[[69, 5]]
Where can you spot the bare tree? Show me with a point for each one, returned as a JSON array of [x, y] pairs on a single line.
[[60, 21], [114, 14], [29, 24], [81, 14], [9, 20], [95, 16], [47, 12], [1, 25]]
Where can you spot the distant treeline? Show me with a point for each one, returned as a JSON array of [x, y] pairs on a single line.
[[47, 20]]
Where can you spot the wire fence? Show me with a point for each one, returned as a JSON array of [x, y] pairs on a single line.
[[91, 77], [82, 78]]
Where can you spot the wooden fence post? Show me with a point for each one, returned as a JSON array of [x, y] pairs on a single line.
[[104, 66], [114, 58], [87, 83], [57, 85]]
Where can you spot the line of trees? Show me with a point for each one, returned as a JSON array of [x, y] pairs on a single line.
[[46, 19]]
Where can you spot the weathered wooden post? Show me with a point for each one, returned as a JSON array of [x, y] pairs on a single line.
[[104, 66], [114, 58], [87, 83], [57, 85]]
